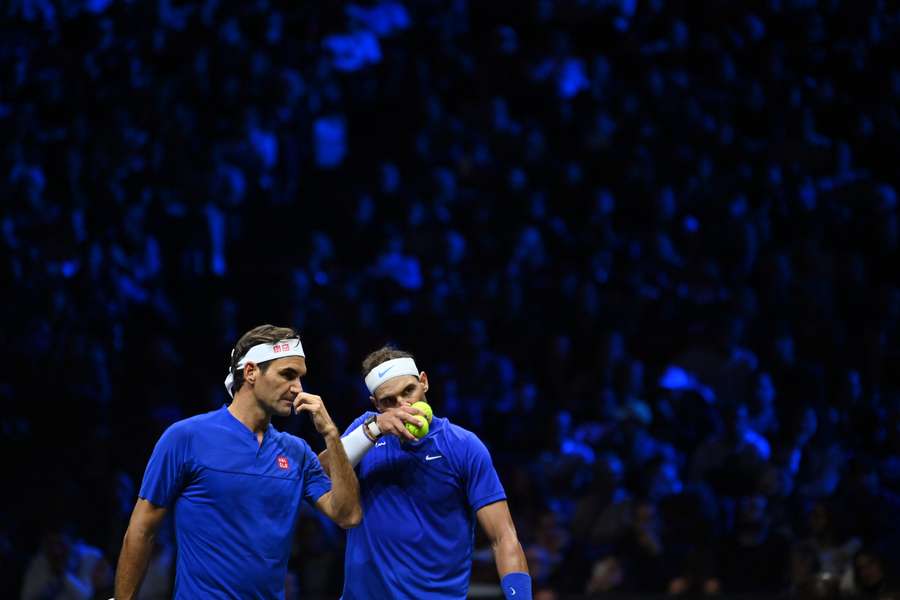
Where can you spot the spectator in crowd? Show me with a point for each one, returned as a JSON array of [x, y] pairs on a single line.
[[66, 568]]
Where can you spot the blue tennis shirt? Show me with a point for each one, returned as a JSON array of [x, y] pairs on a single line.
[[419, 502], [235, 503]]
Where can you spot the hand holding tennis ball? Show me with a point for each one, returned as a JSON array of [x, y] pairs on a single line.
[[421, 431]]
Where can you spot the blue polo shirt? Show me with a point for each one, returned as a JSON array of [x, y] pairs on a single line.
[[235, 503], [419, 502]]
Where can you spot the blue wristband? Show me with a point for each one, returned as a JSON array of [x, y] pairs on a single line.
[[516, 586]]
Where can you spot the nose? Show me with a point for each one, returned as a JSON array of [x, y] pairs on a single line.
[[296, 388]]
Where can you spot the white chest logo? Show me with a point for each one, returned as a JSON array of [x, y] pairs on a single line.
[[435, 457]]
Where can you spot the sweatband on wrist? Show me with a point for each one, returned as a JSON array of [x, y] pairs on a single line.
[[261, 353], [516, 586], [389, 369], [356, 444]]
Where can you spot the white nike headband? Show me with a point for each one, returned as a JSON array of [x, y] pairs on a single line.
[[396, 367], [261, 353]]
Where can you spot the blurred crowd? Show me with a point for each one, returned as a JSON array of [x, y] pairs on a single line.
[[646, 249]]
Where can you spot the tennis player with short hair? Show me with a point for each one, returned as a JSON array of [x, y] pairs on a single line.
[[421, 498], [235, 482]]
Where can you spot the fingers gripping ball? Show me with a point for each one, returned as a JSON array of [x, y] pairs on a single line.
[[419, 432], [424, 419]]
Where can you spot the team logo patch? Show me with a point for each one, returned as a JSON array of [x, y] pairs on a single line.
[[283, 463]]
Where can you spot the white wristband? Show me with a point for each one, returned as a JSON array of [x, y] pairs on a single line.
[[356, 444]]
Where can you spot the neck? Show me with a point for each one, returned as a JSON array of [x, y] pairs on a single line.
[[247, 410]]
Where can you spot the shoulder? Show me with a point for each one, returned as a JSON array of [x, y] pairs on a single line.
[[181, 434], [186, 427], [461, 435], [463, 443]]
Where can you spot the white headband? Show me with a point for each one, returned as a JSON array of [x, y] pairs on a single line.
[[396, 367], [263, 352]]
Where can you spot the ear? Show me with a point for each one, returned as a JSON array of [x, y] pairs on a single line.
[[250, 372], [423, 379]]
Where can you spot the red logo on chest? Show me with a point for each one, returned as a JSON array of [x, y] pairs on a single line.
[[283, 463]]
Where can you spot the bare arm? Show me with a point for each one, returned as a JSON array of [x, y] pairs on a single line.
[[324, 460], [137, 547], [498, 525], [341, 503]]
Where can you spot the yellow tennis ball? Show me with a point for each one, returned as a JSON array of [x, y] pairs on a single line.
[[419, 432], [426, 410]]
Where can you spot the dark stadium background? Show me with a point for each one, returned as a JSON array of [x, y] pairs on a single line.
[[646, 249]]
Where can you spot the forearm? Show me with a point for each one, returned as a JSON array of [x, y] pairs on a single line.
[[512, 568], [133, 560], [325, 461], [509, 556], [344, 485]]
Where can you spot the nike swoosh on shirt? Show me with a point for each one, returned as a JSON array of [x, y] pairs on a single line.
[[381, 373], [512, 591], [380, 444], [427, 457]]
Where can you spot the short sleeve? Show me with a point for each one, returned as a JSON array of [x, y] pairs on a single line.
[[483, 485], [315, 482], [165, 474]]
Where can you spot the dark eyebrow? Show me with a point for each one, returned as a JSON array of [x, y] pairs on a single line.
[[290, 371]]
